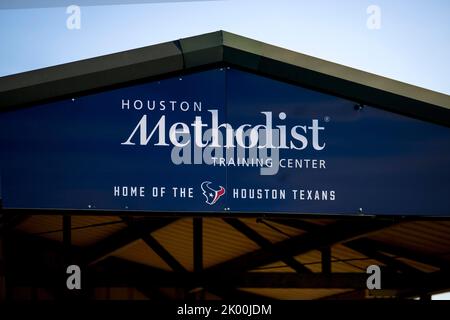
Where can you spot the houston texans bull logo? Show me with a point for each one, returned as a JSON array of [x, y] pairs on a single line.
[[212, 196]]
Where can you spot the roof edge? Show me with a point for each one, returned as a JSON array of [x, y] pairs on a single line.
[[301, 60], [222, 47]]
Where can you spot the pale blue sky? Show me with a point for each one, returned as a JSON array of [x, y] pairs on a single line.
[[413, 44]]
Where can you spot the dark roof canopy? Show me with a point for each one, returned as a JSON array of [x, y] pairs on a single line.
[[216, 48]]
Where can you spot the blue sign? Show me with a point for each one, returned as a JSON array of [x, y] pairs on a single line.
[[222, 140]]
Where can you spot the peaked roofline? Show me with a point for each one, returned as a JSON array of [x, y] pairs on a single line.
[[221, 47]]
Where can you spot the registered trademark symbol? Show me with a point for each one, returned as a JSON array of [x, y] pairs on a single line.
[[326, 119]]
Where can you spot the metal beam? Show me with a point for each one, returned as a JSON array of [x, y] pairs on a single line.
[[198, 244], [326, 259], [67, 239], [390, 262], [122, 273], [296, 223], [326, 236], [165, 255], [10, 221], [67, 260], [122, 238], [265, 244], [406, 253]]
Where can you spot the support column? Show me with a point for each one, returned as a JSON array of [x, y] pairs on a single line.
[[326, 260], [198, 251], [198, 245], [67, 252], [2, 271]]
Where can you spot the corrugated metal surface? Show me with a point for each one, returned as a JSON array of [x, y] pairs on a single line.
[[177, 238], [139, 252], [222, 242], [344, 266], [312, 260], [272, 231], [320, 222], [40, 224], [354, 265], [343, 260], [278, 266], [347, 260], [82, 221], [420, 266], [50, 227], [295, 294], [342, 252], [424, 236], [93, 234]]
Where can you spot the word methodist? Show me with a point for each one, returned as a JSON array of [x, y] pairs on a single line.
[[221, 144]]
